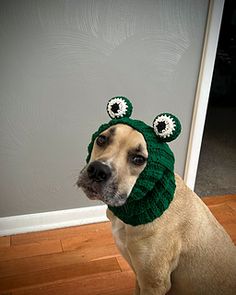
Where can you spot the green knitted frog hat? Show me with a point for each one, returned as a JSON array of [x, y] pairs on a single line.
[[155, 186]]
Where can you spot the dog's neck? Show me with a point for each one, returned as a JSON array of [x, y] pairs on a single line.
[[144, 208]]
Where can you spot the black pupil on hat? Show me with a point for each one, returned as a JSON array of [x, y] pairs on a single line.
[[115, 107], [161, 126]]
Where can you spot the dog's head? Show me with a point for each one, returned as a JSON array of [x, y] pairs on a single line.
[[123, 150], [118, 156]]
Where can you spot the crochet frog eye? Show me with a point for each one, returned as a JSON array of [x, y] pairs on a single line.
[[167, 127], [119, 107]]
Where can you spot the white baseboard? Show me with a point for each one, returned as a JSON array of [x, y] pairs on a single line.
[[51, 220]]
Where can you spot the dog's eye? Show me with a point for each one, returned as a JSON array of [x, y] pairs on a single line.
[[101, 140], [138, 160]]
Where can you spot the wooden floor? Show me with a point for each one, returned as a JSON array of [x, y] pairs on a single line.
[[78, 260]]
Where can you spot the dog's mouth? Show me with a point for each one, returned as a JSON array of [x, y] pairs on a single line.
[[105, 192], [91, 193]]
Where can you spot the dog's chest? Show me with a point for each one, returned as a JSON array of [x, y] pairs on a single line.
[[119, 234]]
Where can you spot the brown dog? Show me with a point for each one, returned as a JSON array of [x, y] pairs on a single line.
[[185, 250]]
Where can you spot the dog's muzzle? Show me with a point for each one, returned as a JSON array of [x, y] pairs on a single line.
[[99, 182]]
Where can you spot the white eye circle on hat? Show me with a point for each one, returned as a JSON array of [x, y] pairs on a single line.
[[164, 126], [118, 107]]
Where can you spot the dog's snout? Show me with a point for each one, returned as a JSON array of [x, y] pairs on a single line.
[[98, 171]]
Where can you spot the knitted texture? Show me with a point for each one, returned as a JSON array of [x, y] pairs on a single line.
[[118, 107], [167, 127], [155, 186]]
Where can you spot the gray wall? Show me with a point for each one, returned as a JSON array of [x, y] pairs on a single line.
[[59, 63]]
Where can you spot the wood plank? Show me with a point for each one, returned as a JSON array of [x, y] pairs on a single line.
[[223, 213], [119, 283], [5, 241], [215, 200], [28, 250], [232, 205], [91, 251], [24, 265], [81, 242], [124, 266], [57, 274], [84, 231], [44, 262]]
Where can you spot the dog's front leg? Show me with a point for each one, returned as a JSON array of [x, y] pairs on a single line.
[[157, 286], [153, 268]]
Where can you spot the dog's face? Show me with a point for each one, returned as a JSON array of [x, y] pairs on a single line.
[[119, 155]]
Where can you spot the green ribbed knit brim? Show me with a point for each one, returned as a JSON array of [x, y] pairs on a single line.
[[150, 207]]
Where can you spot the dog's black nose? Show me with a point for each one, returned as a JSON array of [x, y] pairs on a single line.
[[98, 171]]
